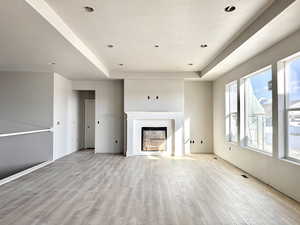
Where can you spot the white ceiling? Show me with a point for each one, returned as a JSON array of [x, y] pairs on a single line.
[[37, 32], [178, 26], [29, 43]]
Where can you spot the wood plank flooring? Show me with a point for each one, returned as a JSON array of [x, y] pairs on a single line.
[[94, 189]]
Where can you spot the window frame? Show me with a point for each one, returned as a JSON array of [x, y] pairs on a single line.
[[287, 109], [243, 111], [227, 95]]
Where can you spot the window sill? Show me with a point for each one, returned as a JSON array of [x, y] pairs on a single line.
[[257, 150], [232, 143], [291, 160]]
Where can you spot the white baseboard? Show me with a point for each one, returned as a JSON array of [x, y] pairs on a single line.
[[22, 173]]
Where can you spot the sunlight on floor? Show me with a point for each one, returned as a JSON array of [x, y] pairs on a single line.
[[192, 158]]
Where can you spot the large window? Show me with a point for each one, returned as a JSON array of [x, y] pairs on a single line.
[[231, 112], [257, 110], [292, 80]]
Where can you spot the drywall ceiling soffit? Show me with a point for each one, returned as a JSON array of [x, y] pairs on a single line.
[[263, 33], [134, 27], [29, 43], [57, 22]]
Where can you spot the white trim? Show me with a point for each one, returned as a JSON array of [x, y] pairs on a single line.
[[23, 173], [292, 109], [228, 87], [25, 132], [290, 58], [291, 160]]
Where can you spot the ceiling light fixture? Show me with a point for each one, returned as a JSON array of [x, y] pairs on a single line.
[[230, 8], [110, 46], [89, 9], [204, 46]]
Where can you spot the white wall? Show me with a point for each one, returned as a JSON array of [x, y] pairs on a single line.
[[198, 114], [109, 113], [282, 175], [65, 118], [74, 122], [170, 93]]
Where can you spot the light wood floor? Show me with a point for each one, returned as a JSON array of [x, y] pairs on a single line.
[[86, 188]]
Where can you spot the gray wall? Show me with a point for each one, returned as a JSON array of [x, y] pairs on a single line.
[[26, 98], [279, 173], [26, 101], [18, 153]]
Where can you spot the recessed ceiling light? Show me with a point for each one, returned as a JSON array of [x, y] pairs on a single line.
[[89, 9], [156, 46], [204, 46], [190, 64], [110, 46], [230, 8], [121, 64]]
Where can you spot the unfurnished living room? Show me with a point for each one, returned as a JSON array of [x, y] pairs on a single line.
[[150, 112]]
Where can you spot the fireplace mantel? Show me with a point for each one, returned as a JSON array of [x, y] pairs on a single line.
[[174, 121], [154, 114]]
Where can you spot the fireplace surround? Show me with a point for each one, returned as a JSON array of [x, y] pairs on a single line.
[[171, 121]]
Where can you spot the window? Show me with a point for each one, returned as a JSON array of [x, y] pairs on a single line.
[[292, 90], [231, 112], [257, 110]]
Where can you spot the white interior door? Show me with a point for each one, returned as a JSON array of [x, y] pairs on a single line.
[[89, 112]]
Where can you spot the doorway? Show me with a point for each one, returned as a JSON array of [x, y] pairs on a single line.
[[87, 120]]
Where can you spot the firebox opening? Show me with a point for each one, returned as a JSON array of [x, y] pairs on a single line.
[[154, 139]]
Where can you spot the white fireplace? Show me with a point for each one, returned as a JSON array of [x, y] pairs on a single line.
[[138, 122]]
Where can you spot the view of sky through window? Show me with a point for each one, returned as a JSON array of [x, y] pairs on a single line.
[[259, 110], [293, 102]]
